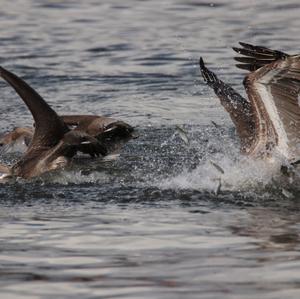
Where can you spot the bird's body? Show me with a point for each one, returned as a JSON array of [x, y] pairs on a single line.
[[53, 142], [110, 132], [268, 122]]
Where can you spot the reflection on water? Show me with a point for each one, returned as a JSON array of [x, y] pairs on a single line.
[[166, 219], [136, 249]]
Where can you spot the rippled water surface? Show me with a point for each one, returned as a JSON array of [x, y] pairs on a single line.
[[163, 220]]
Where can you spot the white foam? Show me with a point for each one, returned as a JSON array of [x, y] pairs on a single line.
[[242, 174]]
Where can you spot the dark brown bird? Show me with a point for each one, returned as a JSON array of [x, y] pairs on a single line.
[[268, 122], [110, 132], [53, 144]]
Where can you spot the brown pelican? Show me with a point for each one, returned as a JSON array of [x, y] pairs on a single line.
[[53, 144], [268, 122], [110, 132]]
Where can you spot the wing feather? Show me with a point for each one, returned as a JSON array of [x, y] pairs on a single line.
[[239, 108], [255, 57], [49, 128], [274, 89]]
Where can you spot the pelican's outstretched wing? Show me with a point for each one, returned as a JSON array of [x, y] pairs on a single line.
[[49, 128], [256, 57], [274, 91], [239, 109]]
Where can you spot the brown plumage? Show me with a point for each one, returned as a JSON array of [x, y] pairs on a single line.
[[17, 135], [268, 122], [111, 133], [255, 57], [240, 110], [53, 144]]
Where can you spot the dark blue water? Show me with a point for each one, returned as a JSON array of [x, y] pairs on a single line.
[[161, 221]]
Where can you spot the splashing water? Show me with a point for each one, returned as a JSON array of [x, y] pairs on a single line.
[[209, 162], [239, 175], [223, 168]]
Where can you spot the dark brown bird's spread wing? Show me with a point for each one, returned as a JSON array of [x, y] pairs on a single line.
[[49, 128]]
